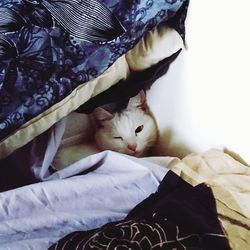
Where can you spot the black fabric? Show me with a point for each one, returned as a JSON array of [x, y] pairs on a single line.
[[177, 216], [15, 174], [21, 167], [125, 89], [16, 169]]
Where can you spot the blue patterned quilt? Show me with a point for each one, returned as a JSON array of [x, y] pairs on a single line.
[[49, 47]]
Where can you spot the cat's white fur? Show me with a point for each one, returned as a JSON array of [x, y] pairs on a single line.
[[118, 132]]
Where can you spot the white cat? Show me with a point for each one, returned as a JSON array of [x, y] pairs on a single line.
[[132, 131]]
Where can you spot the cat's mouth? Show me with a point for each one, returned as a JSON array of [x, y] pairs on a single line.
[[131, 152], [134, 153], [138, 153]]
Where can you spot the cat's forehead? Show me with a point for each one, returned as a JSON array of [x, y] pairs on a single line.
[[129, 119]]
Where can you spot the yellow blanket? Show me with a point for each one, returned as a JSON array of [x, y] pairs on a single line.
[[230, 182]]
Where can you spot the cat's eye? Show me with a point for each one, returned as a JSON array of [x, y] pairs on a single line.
[[118, 137], [138, 129]]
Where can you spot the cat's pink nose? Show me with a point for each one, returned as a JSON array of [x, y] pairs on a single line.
[[132, 147]]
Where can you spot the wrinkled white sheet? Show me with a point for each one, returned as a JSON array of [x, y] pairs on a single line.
[[35, 216]]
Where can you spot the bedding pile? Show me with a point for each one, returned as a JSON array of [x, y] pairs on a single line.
[[50, 66], [201, 201]]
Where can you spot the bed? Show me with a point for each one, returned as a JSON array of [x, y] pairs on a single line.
[[184, 196]]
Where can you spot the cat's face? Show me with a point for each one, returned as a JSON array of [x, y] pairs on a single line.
[[132, 132]]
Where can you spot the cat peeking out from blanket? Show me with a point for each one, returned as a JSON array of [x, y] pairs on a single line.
[[132, 131]]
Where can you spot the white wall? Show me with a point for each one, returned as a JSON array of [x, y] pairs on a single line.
[[204, 100]]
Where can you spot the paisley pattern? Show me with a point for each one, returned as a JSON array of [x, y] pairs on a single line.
[[42, 61], [134, 234]]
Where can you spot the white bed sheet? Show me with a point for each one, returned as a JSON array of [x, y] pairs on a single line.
[[37, 215]]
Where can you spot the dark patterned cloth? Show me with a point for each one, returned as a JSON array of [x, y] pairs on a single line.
[[177, 216], [49, 47]]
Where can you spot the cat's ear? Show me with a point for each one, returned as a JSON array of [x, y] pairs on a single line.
[[139, 101], [101, 114]]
